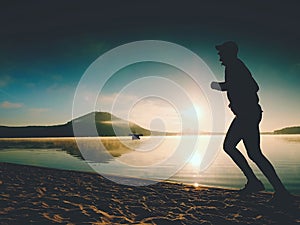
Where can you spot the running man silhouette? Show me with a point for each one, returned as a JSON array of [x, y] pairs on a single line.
[[242, 94]]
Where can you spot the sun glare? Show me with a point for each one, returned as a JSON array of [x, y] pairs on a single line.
[[196, 185], [198, 111], [195, 160]]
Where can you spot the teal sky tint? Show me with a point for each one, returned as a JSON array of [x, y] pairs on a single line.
[[44, 51]]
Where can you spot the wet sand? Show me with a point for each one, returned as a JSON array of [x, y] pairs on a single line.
[[34, 195]]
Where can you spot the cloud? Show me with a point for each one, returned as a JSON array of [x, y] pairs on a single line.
[[11, 105], [38, 111], [143, 111], [156, 114], [61, 89], [109, 99], [5, 80]]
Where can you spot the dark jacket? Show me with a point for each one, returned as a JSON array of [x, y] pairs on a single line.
[[241, 89]]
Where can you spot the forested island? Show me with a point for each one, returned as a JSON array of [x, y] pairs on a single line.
[[288, 130], [106, 125]]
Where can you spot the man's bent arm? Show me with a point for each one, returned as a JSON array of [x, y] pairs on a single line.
[[223, 85], [220, 86]]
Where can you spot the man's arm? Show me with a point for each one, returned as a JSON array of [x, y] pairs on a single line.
[[220, 86]]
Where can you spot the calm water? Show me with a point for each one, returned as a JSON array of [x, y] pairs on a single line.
[[152, 158]]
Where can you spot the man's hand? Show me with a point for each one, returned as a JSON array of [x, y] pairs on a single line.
[[215, 85]]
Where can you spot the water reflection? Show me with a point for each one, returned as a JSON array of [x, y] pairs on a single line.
[[289, 138], [65, 144], [63, 153], [113, 146]]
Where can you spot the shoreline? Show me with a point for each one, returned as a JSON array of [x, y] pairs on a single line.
[[146, 181], [151, 181], [126, 136], [37, 195]]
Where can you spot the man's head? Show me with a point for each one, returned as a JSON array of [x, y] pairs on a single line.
[[227, 52]]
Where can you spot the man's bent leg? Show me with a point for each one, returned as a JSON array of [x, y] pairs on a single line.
[[252, 144], [232, 138]]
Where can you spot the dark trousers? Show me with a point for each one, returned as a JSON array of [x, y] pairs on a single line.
[[246, 128]]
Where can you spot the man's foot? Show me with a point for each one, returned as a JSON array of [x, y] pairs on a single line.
[[252, 187], [283, 199]]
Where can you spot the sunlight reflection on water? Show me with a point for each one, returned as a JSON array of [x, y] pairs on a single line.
[[62, 153]]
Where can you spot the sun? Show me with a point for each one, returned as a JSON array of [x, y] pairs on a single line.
[[195, 160]]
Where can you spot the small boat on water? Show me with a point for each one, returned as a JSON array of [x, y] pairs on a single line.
[[135, 136]]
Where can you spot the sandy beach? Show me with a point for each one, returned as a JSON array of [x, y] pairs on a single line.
[[34, 195]]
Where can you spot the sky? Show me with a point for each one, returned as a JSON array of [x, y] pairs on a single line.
[[47, 46]]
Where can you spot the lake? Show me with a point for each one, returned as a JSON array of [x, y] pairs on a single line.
[[158, 158]]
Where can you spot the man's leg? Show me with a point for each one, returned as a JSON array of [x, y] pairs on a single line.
[[252, 143], [232, 138]]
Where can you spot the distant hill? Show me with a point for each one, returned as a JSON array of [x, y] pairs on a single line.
[[104, 125], [288, 130]]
